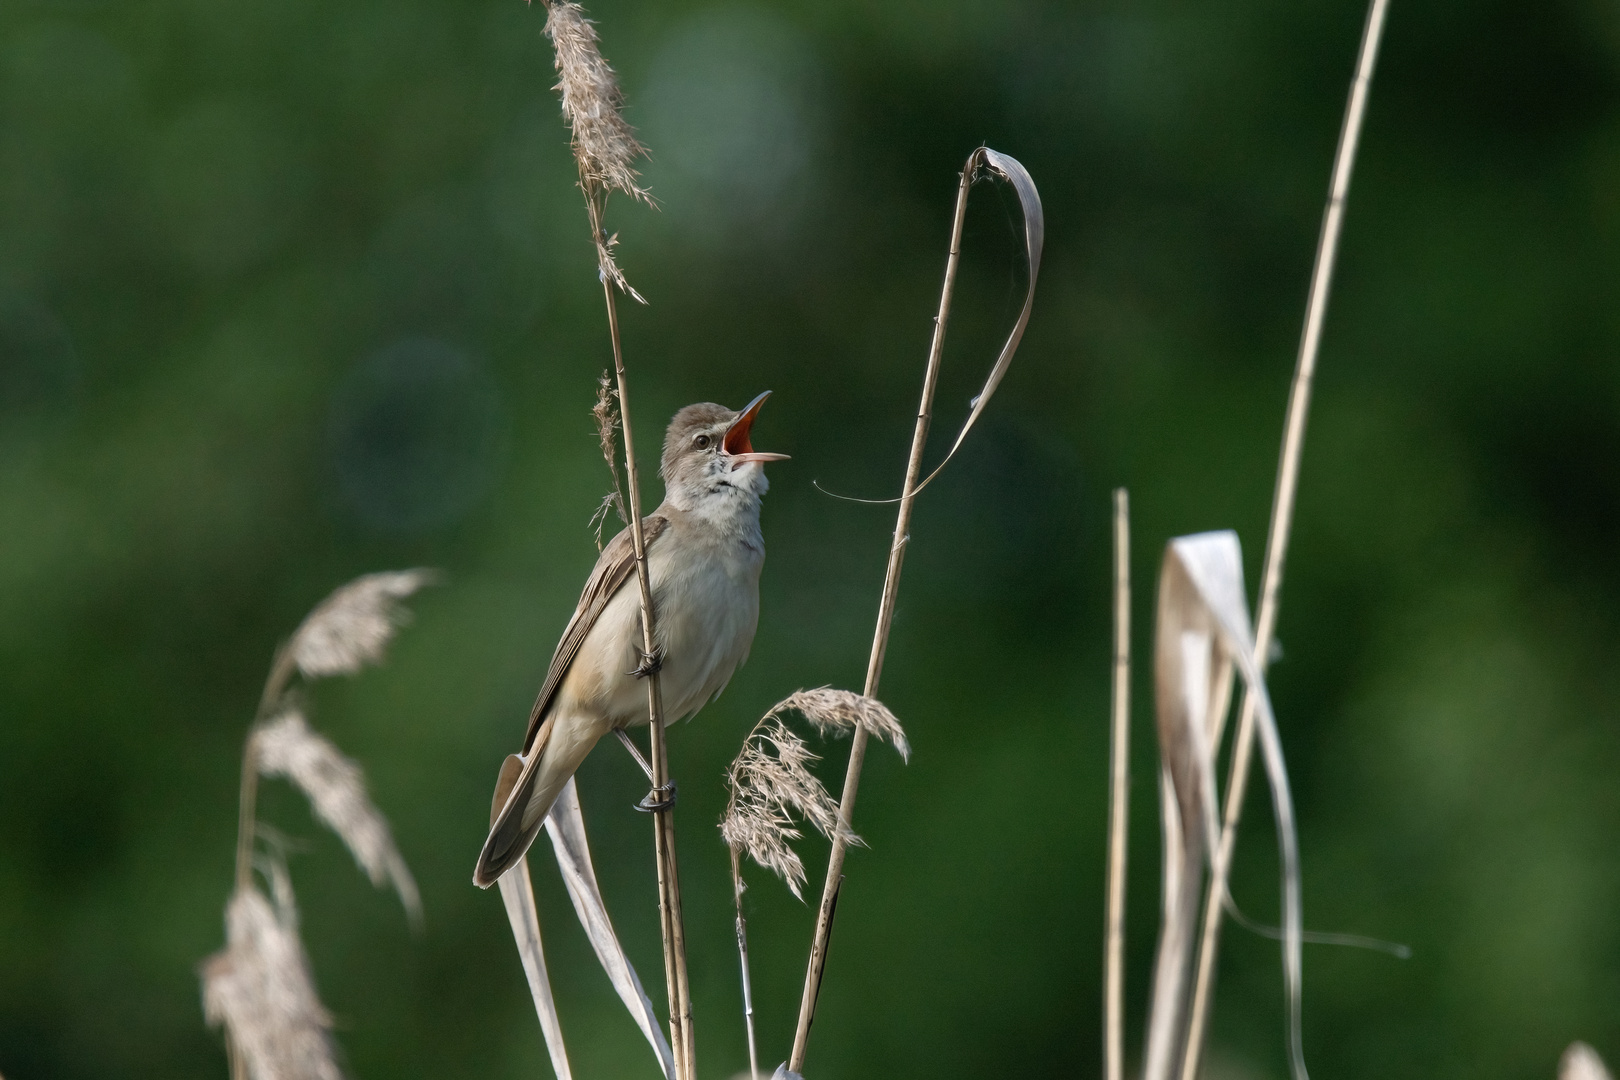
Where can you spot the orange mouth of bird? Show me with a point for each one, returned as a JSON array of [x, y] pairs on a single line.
[[736, 444]]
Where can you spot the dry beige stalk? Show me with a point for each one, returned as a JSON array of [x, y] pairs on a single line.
[[1282, 513], [336, 789], [260, 988], [352, 627]]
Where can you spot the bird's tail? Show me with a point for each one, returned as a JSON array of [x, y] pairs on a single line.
[[524, 792]]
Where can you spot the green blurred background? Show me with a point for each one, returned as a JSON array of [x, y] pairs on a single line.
[[293, 291]]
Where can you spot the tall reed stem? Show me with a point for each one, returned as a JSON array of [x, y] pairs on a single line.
[[1282, 516], [1119, 785], [669, 885], [737, 888], [281, 671], [880, 640]]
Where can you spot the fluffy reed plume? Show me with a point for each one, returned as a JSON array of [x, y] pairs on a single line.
[[1581, 1062], [770, 784], [260, 989], [605, 147], [606, 414], [352, 627], [772, 788], [336, 789]]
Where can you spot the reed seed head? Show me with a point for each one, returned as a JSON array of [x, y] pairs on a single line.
[[352, 627], [336, 789], [260, 988], [1581, 1062], [773, 787], [605, 146], [838, 711]]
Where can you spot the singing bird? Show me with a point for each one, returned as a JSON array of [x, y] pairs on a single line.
[[704, 553]]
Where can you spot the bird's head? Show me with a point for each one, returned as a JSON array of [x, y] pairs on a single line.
[[707, 455]]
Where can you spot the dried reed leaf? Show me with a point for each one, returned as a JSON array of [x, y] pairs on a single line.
[[1203, 625], [1581, 1062], [336, 789], [566, 826], [260, 988], [605, 147], [606, 414], [838, 711], [352, 627], [517, 893]]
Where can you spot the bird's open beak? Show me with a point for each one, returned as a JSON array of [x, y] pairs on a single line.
[[736, 444]]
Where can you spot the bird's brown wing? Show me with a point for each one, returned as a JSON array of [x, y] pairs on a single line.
[[508, 840], [613, 568]]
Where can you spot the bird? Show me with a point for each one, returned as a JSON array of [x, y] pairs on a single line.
[[704, 554]]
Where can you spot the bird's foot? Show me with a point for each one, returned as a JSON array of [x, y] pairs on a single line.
[[659, 798], [651, 664]]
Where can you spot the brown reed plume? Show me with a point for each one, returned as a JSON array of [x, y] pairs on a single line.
[[979, 162], [605, 152], [259, 988], [772, 788], [1282, 517]]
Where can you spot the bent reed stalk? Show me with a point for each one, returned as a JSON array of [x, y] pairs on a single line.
[[1282, 517], [605, 150], [1119, 781]]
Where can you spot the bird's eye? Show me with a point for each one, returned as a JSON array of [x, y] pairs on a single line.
[[701, 442]]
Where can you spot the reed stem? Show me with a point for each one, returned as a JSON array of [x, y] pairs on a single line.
[[880, 640], [669, 888], [1282, 516], [737, 888], [1119, 780]]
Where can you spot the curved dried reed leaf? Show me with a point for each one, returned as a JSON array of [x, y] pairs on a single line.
[[336, 789], [1581, 1062], [566, 827], [604, 145], [260, 988], [1203, 625], [517, 893], [838, 711], [352, 627]]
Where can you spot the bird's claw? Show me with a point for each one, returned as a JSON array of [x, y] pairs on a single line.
[[659, 798], [651, 664]]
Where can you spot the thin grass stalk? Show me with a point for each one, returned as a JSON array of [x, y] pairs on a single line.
[[880, 638], [1119, 779], [737, 888], [281, 670], [1282, 515], [669, 894]]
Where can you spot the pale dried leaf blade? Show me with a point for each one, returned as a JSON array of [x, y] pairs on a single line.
[[352, 627], [1029, 200], [605, 146], [260, 989], [566, 827], [1202, 596], [287, 747], [517, 893], [1581, 1062]]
